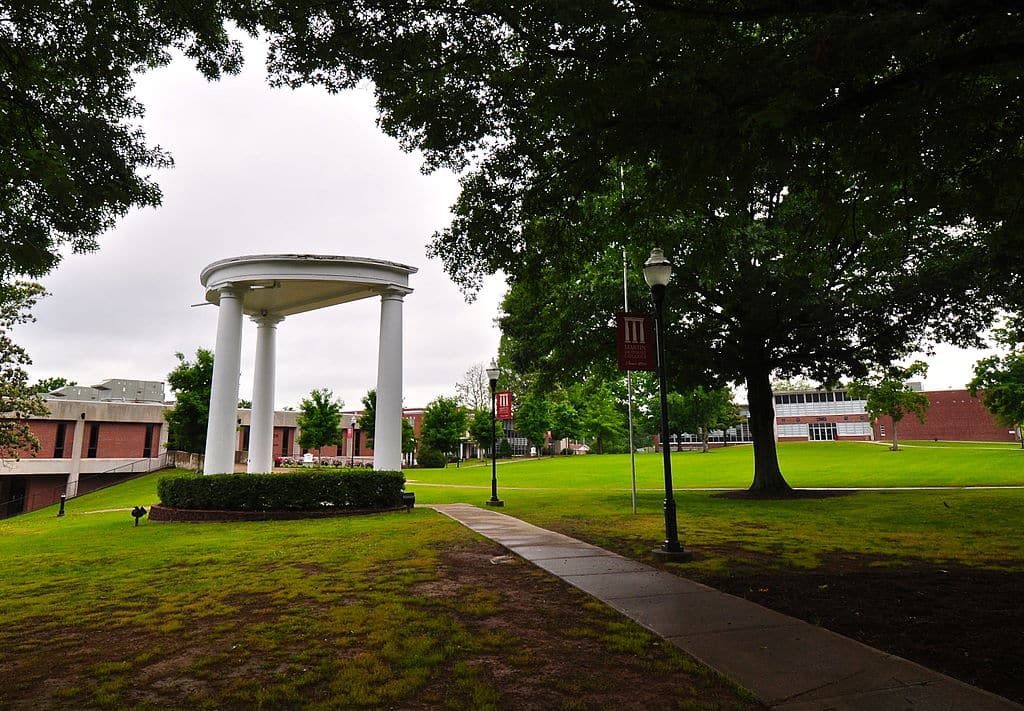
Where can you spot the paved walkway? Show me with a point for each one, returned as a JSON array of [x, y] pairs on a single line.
[[788, 663]]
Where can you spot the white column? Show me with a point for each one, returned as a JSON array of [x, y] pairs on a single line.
[[221, 434], [71, 488], [261, 426], [387, 434]]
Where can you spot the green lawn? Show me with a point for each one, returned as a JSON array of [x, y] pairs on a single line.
[[356, 612], [810, 464], [337, 612]]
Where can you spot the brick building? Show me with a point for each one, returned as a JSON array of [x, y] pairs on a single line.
[[952, 415], [96, 436]]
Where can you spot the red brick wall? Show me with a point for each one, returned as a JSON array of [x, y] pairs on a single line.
[[120, 440], [953, 415], [46, 431], [42, 491]]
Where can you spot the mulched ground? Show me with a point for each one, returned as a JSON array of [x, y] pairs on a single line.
[[963, 622]]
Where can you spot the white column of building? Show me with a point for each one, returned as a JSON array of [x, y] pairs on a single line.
[[221, 435], [261, 426], [387, 433], [71, 488]]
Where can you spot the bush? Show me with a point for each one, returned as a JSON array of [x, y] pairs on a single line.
[[291, 491], [505, 448], [431, 459]]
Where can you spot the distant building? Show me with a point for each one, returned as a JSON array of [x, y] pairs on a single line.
[[832, 415]]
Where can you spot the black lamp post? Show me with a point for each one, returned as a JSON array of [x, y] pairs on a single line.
[[657, 274], [492, 377], [352, 447]]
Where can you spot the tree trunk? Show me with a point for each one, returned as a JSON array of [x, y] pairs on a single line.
[[767, 475], [704, 438], [895, 439]]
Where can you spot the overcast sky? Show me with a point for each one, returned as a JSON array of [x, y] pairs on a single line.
[[263, 171]]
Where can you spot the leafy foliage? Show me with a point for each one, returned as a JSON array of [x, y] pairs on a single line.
[[408, 437], [368, 419], [481, 427], [319, 420], [836, 183], [533, 420], [700, 410], [431, 458], [18, 400], [890, 394], [48, 385], [1000, 380], [290, 491], [74, 159], [187, 421], [444, 425]]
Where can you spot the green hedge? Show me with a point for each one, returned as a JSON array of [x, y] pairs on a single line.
[[431, 459], [291, 491]]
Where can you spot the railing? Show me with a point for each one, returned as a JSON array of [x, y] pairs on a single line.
[[144, 466]]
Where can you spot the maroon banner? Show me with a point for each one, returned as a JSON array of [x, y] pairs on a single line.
[[503, 405], [635, 340]]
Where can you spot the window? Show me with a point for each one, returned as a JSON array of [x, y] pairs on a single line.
[[94, 440], [821, 431], [147, 446], [286, 445], [58, 445]]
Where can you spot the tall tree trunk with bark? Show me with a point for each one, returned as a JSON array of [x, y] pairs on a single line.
[[767, 475]]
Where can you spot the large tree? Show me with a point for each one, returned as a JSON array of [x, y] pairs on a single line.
[[187, 421], [782, 288], [19, 401], [319, 420]]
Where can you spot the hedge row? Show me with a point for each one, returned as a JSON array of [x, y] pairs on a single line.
[[291, 491]]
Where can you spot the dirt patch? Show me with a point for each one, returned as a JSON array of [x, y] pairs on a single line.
[[960, 621], [570, 651]]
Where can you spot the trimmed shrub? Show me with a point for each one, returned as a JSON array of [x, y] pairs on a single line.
[[289, 491], [431, 459]]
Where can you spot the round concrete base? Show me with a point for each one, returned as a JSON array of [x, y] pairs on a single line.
[[672, 556], [495, 502]]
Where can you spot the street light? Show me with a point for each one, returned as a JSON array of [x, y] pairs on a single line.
[[492, 377], [352, 444], [657, 274]]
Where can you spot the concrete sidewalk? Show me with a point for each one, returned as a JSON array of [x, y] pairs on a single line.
[[789, 664]]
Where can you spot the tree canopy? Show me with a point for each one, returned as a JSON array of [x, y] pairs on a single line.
[[537, 101], [187, 421], [74, 159], [889, 393], [444, 425], [319, 420], [999, 380], [701, 410]]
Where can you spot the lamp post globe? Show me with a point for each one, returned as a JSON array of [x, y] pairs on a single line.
[[657, 274], [492, 378]]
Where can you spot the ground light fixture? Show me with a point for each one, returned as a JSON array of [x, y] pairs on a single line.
[[492, 378], [657, 274]]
